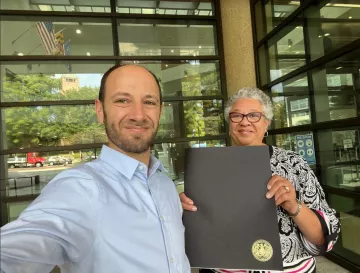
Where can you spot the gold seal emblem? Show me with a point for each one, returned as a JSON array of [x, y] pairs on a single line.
[[262, 250]]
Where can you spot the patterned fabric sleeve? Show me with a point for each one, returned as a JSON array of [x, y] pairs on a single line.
[[314, 198]]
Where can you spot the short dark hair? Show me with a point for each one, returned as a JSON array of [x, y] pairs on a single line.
[[107, 73]]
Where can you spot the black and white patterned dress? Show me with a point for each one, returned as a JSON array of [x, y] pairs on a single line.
[[297, 252]]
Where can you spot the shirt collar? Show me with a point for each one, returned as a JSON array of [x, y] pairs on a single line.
[[126, 164]]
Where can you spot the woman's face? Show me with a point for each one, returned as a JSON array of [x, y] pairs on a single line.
[[246, 133]]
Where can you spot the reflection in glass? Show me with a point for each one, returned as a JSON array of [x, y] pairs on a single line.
[[197, 7], [186, 78], [156, 38], [56, 36], [343, 9], [172, 155], [336, 86], [42, 126], [51, 5], [328, 36], [15, 209], [325, 32], [301, 143], [277, 10], [28, 173], [349, 214], [340, 158], [204, 118], [273, 13], [199, 118], [50, 81], [291, 103], [286, 53]]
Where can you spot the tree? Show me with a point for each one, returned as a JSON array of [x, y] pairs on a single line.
[[49, 125]]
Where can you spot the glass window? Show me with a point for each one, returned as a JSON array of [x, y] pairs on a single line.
[[273, 13], [339, 152], [59, 5], [278, 10], [158, 37], [15, 209], [341, 9], [186, 78], [42, 126], [336, 86], [200, 118], [39, 81], [55, 36], [301, 143], [196, 7], [326, 32], [348, 210], [28, 173], [291, 103], [286, 53], [172, 155]]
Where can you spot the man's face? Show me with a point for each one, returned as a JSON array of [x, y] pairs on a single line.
[[131, 109]]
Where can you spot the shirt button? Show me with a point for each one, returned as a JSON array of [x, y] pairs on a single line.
[[172, 260], [162, 218], [141, 168]]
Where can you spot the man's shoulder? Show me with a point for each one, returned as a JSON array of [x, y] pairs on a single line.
[[78, 180]]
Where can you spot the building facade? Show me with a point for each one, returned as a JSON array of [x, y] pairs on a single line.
[[304, 54]]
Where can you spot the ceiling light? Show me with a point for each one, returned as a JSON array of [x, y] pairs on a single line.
[[88, 53], [199, 46], [297, 52], [78, 31], [350, 17], [327, 34], [20, 54], [172, 50], [166, 65], [346, 5], [339, 67], [320, 36]]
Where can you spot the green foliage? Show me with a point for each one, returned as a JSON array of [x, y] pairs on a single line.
[[50, 125]]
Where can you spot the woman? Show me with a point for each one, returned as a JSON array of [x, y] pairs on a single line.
[[307, 225]]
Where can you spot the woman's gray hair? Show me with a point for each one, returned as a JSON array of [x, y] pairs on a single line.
[[251, 93]]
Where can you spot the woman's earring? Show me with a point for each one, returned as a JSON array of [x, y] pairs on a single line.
[[266, 134]]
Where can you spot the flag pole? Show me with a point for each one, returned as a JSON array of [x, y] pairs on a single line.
[[34, 49], [23, 34]]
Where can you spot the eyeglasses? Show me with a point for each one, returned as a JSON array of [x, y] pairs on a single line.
[[252, 117]]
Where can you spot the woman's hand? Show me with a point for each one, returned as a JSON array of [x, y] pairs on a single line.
[[284, 193], [187, 203]]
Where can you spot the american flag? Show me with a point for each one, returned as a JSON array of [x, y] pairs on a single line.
[[47, 36]]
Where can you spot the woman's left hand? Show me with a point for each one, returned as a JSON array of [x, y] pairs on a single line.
[[284, 192]]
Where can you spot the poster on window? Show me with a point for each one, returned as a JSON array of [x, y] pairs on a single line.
[[305, 148]]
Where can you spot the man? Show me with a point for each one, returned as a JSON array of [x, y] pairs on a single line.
[[119, 213]]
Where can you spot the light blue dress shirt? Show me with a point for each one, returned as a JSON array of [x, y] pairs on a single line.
[[111, 215]]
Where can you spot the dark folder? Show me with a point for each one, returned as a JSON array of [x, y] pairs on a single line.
[[235, 226]]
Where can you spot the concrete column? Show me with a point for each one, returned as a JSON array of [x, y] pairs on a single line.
[[238, 44]]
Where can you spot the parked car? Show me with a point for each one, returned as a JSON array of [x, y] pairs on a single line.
[[58, 160]]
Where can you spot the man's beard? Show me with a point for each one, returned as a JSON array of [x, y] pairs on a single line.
[[130, 143]]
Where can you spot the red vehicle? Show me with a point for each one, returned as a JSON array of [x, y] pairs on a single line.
[[28, 160]]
